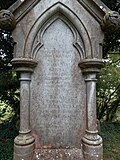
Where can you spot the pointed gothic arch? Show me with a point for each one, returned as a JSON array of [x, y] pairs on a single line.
[[81, 42]]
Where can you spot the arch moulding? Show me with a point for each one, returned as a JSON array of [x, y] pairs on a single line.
[[81, 42]]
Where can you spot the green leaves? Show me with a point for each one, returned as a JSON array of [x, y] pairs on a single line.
[[108, 85], [108, 89]]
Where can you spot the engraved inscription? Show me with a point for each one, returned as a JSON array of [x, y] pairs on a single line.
[[57, 105]]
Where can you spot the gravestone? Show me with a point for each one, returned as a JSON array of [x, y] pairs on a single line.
[[58, 53]]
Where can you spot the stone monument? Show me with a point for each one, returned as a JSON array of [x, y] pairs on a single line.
[[58, 53]]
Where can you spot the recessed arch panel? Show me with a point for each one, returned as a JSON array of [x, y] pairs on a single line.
[[57, 108], [59, 10], [77, 41]]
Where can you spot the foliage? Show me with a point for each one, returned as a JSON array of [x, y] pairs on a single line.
[[6, 150], [4, 4], [111, 43], [9, 132], [108, 89], [111, 135], [112, 4], [6, 50], [112, 40], [108, 85], [9, 93], [9, 83], [9, 97], [5, 112]]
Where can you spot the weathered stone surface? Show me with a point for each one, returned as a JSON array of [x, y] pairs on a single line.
[[58, 54], [58, 104], [58, 154], [71, 10]]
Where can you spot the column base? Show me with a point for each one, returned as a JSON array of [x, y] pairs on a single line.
[[23, 152], [92, 146], [24, 146]]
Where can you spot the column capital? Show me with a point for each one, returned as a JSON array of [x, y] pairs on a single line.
[[24, 64], [91, 65]]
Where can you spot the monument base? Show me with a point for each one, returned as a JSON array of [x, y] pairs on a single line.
[[58, 154]]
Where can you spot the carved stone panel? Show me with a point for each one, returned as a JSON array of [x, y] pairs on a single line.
[[57, 107]]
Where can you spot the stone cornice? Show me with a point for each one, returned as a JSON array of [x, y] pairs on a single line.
[[26, 5], [97, 10]]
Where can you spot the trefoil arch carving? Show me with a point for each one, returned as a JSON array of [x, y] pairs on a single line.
[[34, 39]]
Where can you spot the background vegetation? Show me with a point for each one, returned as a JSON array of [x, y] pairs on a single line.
[[108, 92], [108, 85]]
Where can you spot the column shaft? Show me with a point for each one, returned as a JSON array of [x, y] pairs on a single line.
[[91, 101], [92, 142], [24, 102], [24, 143]]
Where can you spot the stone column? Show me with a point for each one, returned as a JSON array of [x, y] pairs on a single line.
[[92, 142], [24, 142]]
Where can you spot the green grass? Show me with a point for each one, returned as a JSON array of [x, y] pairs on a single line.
[[8, 132], [6, 149], [111, 137]]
